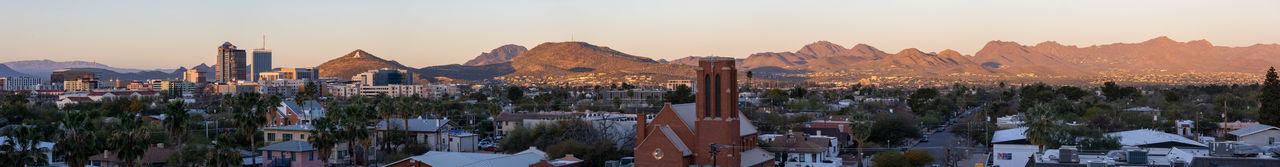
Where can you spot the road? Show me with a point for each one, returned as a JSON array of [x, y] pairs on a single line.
[[940, 141]]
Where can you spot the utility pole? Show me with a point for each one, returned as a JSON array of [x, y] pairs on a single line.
[[713, 152]]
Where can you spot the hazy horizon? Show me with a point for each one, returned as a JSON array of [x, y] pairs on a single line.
[[165, 34]]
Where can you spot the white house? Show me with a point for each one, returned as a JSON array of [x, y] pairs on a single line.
[[45, 147], [1260, 135], [800, 150], [1010, 148]]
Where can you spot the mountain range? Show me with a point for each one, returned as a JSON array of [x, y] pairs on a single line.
[[580, 62], [42, 69]]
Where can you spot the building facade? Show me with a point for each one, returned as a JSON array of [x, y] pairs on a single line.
[[383, 77], [231, 63], [196, 75], [72, 74], [261, 63], [20, 83]]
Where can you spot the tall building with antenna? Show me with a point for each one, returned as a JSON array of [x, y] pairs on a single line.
[[261, 61], [231, 63]]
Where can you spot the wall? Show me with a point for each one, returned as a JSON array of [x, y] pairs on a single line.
[[1261, 138], [1019, 154]]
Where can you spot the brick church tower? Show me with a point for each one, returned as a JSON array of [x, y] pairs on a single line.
[[717, 111], [709, 132]]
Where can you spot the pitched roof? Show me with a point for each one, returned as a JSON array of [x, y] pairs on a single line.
[[299, 127], [416, 124], [1252, 129], [289, 146], [1010, 136], [675, 140], [461, 159], [1152, 138], [688, 114], [755, 156]]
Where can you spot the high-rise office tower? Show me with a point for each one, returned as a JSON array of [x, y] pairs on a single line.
[[261, 63], [231, 63]]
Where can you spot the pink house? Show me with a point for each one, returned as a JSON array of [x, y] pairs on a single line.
[[290, 153]]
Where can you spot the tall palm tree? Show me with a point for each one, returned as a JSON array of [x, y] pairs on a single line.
[[409, 108], [129, 139], [385, 108], [176, 123], [78, 141], [1040, 125], [23, 147], [248, 112], [323, 137], [860, 133], [222, 153]]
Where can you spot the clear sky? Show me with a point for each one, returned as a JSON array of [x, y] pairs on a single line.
[[168, 34]]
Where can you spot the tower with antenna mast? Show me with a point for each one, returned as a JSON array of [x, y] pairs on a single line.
[[261, 61]]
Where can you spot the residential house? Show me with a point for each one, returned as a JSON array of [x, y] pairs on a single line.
[[528, 157], [292, 113], [800, 150], [277, 134], [290, 153], [1261, 135], [156, 155], [1010, 147], [433, 132], [45, 148]]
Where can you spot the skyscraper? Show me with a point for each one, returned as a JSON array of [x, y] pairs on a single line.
[[261, 63], [231, 63]]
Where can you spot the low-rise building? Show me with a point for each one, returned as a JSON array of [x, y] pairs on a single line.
[[529, 157], [798, 149], [290, 153], [277, 134], [1262, 135], [291, 113], [433, 132]]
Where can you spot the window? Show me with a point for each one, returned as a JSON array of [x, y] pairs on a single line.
[[271, 136], [268, 154], [302, 136], [311, 156], [294, 155], [1271, 141], [286, 136]]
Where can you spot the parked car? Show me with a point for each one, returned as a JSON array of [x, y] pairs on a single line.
[[924, 139]]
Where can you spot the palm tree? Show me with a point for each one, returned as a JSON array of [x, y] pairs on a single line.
[[78, 140], [386, 107], [410, 108], [129, 139], [860, 133], [176, 123], [22, 147], [223, 154], [248, 112], [1040, 125], [323, 137]]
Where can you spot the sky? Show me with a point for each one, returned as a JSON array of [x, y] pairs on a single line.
[[169, 34]]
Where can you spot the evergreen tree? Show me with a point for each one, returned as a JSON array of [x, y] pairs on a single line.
[[1269, 113]]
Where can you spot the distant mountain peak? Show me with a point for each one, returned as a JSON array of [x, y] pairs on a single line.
[[497, 55], [1161, 39], [911, 51], [360, 53], [822, 49], [949, 52]]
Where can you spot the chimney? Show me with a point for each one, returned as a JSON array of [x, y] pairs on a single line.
[[642, 125]]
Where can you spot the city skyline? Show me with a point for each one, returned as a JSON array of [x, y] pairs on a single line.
[[420, 34]]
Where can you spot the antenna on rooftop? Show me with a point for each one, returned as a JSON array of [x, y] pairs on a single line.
[[264, 41]]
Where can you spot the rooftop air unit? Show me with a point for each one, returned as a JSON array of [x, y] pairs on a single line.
[[1068, 154], [1222, 149], [1136, 156]]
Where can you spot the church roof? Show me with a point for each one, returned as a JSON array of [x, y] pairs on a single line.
[[688, 113]]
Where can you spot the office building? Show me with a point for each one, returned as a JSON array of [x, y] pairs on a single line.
[[290, 74], [385, 76], [81, 85], [19, 83], [196, 75], [261, 63], [231, 63], [72, 74]]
